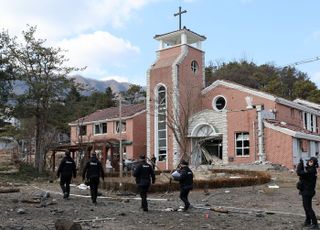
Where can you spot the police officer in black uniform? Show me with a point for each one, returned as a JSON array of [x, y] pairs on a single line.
[[186, 183], [144, 174], [66, 169], [93, 171], [308, 178]]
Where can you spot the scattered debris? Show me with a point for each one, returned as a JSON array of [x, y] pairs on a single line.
[[94, 220], [83, 187], [43, 202], [211, 195], [273, 186], [56, 211], [270, 212], [8, 190], [64, 224], [31, 201], [126, 194], [45, 194], [21, 211], [259, 215], [221, 174], [219, 209], [125, 201]]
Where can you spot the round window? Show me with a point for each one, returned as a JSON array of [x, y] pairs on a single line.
[[194, 67], [219, 103]]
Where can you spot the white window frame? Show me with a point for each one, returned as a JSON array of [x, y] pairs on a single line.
[[214, 103], [161, 157], [309, 121], [117, 126], [100, 125], [243, 148]]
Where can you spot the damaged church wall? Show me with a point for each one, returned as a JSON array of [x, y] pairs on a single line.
[[218, 120], [279, 148]]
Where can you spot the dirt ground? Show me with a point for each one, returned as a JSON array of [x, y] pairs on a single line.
[[258, 207]]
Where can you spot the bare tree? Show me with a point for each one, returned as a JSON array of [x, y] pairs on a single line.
[[183, 105], [177, 108]]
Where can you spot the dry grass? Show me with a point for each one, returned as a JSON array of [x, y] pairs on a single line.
[[249, 178]]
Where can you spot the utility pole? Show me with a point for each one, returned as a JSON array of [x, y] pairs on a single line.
[[120, 141]]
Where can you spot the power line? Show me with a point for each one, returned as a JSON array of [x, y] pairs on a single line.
[[305, 61]]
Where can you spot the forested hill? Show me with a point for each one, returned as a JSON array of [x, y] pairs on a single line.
[[286, 82]]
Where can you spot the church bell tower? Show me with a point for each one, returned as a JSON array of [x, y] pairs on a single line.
[[174, 84]]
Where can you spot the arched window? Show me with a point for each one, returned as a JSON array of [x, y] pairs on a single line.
[[161, 127], [194, 66]]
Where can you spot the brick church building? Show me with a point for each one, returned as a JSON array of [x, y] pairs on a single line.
[[223, 123]]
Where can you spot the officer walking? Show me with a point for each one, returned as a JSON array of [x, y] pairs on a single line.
[[66, 169], [307, 184], [144, 174], [186, 183], [93, 171]]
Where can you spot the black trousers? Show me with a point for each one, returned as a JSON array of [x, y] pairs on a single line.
[[94, 183], [143, 194], [65, 184], [184, 193], [307, 205]]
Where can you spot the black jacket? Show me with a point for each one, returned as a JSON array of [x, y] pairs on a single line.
[[144, 174], [93, 169], [67, 167], [186, 178], [308, 178]]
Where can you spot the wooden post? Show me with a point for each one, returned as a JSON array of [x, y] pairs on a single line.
[[94, 147], [111, 158], [53, 156], [104, 154]]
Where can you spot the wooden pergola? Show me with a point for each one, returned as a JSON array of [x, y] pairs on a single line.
[[88, 147]]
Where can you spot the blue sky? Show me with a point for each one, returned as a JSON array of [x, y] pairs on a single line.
[[114, 38]]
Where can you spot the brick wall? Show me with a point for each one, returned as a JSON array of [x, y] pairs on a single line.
[[278, 148]]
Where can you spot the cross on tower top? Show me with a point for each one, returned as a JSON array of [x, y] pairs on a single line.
[[180, 13]]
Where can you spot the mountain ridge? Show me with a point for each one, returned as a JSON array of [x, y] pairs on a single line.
[[89, 85]]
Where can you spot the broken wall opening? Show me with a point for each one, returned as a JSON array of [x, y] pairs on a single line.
[[207, 150]]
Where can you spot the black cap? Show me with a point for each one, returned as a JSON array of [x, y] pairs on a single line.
[[142, 157], [184, 162], [67, 153], [315, 161]]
